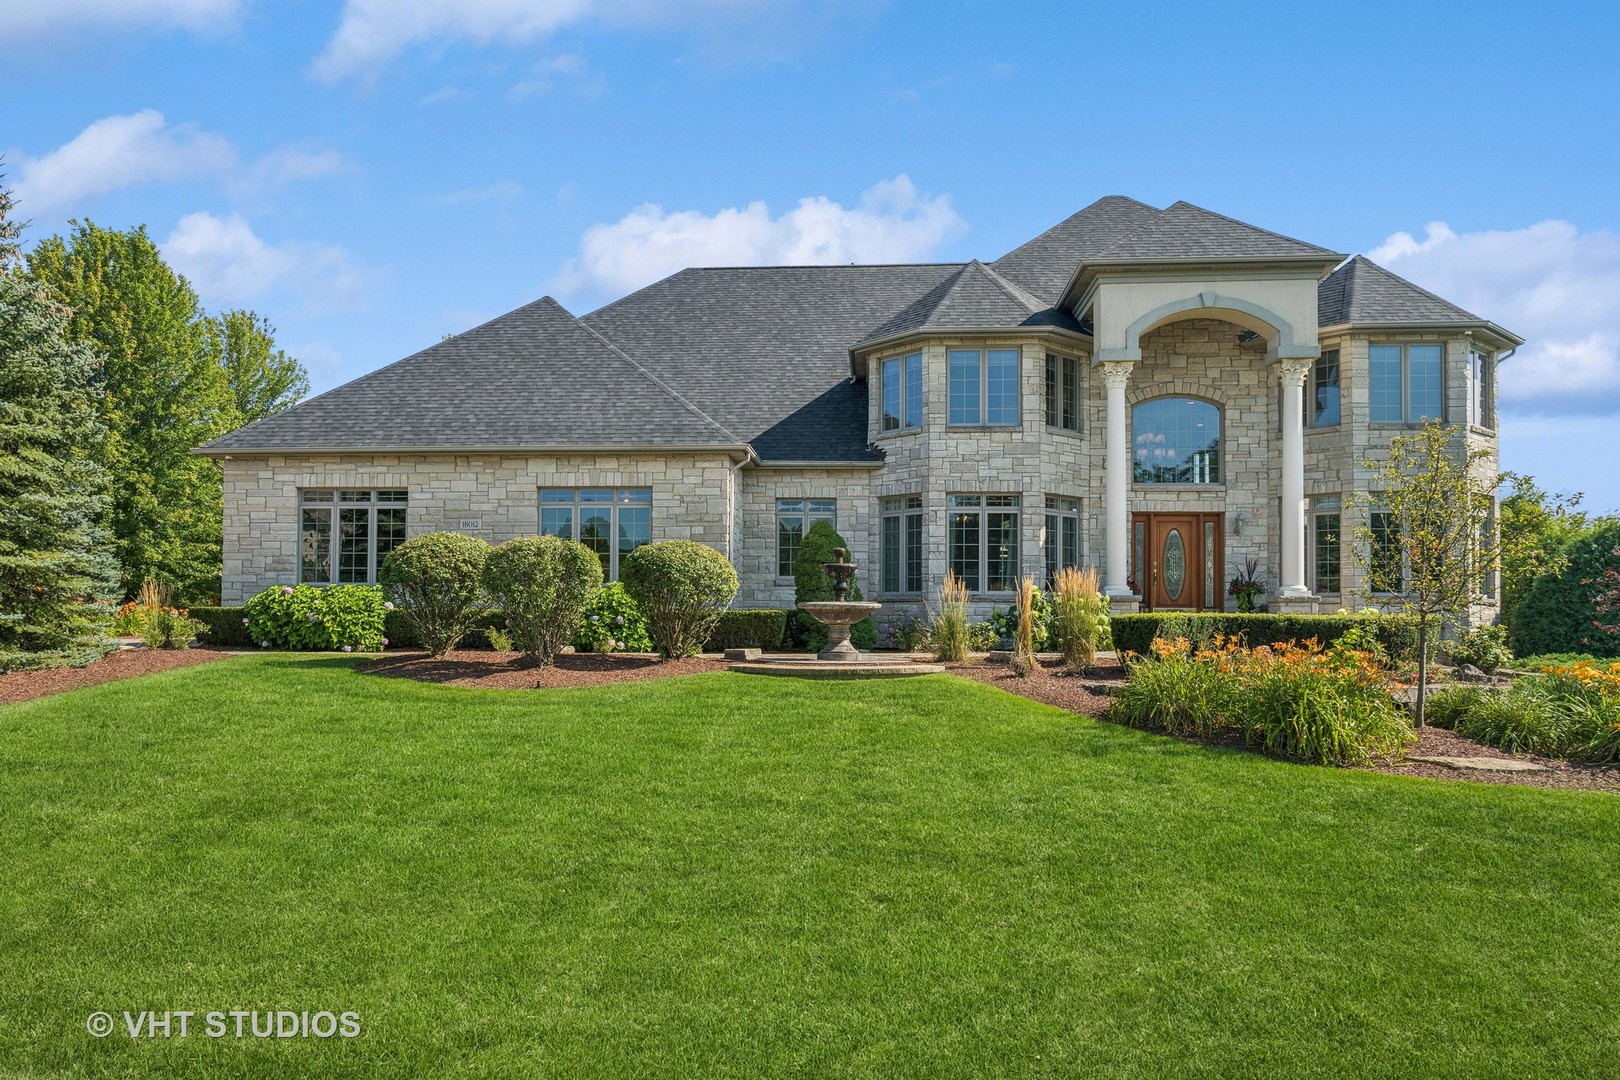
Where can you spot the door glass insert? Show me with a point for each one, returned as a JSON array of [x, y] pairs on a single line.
[[1175, 564]]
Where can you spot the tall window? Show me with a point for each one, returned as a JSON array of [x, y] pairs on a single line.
[[1176, 441], [1326, 552], [1062, 544], [902, 544], [902, 392], [1063, 392], [1481, 373], [982, 541], [793, 519], [344, 535], [1388, 566], [612, 522], [983, 386], [1406, 383], [1325, 384]]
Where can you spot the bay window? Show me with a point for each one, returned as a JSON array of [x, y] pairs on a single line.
[[1325, 390], [982, 541], [983, 386], [1481, 375], [1061, 545], [1062, 392], [344, 534], [1326, 549], [1406, 383], [900, 378], [902, 544]]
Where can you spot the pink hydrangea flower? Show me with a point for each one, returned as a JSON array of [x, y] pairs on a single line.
[[348, 648], [314, 618], [596, 618], [286, 590], [385, 641], [244, 622], [388, 605], [264, 644], [618, 620]]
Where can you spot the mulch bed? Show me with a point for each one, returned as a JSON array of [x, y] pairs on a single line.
[[1087, 695], [482, 669], [122, 664]]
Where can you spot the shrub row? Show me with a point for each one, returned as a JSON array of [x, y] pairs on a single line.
[[225, 626], [1396, 633], [1569, 712], [748, 628]]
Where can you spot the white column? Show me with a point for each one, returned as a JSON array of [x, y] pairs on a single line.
[[1116, 504], [1292, 375]]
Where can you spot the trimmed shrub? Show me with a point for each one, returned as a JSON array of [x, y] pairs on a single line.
[[437, 581], [541, 583], [682, 588], [1396, 634], [811, 582], [347, 618], [748, 628], [223, 626], [612, 622], [1557, 612]]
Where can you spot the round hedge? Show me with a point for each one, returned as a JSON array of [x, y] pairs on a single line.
[[682, 587], [437, 580], [542, 584]]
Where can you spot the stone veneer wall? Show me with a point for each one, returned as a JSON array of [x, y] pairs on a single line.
[[693, 499]]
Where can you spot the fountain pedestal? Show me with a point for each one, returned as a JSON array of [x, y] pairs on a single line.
[[838, 616]]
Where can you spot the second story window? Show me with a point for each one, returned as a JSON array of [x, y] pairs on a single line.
[[901, 377], [1406, 383], [1325, 390], [1062, 392], [1481, 373], [983, 386], [1176, 440]]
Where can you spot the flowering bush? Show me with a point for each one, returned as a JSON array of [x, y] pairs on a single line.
[[1328, 705], [304, 617], [612, 622]]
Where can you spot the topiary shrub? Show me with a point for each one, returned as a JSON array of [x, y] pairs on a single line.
[[682, 588], [1558, 611], [748, 628], [436, 580], [612, 622], [541, 583], [811, 582], [347, 618]]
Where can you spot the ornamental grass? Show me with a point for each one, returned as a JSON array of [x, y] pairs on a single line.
[[1079, 611]]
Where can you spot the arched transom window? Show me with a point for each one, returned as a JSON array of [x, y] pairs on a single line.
[[1176, 440]]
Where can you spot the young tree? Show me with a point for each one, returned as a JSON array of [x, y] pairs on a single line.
[[54, 566], [262, 379], [161, 394], [1437, 544]]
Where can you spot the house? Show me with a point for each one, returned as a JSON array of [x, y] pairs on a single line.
[[1160, 393]]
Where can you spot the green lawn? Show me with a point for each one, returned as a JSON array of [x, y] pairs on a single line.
[[737, 876]]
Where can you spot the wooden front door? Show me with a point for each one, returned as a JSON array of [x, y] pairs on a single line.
[[1178, 561]]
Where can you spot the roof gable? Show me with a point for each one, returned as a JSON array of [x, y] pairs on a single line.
[[1185, 231], [534, 377], [1362, 291], [973, 297]]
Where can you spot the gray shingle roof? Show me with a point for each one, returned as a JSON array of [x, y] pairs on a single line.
[[974, 296], [1361, 291], [1045, 264], [766, 349], [535, 377], [1185, 231]]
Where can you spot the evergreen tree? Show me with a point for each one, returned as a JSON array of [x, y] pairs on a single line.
[[263, 380], [811, 582], [56, 571], [161, 393]]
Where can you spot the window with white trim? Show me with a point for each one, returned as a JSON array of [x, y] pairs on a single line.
[[1387, 569], [612, 522], [345, 533], [1061, 545], [1327, 549], [983, 387], [1062, 392], [982, 541], [1481, 391], [902, 544], [1406, 383], [793, 519], [1325, 390], [900, 379]]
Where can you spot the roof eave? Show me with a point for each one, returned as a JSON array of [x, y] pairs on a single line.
[[859, 354], [1505, 338], [1324, 264], [741, 450]]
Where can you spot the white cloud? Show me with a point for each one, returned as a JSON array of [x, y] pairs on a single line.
[[229, 264], [28, 18], [372, 31], [117, 152], [1555, 286], [892, 223], [566, 69]]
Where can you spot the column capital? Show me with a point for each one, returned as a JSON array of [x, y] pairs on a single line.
[[1292, 372], [1117, 373]]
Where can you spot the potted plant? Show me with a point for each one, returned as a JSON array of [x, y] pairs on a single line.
[[1247, 586]]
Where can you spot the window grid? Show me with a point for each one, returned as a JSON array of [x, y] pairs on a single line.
[[982, 387], [1176, 440], [612, 522], [901, 378], [1325, 387], [1481, 371], [346, 533], [1326, 549], [982, 541], [902, 544], [1061, 545], [1387, 568], [1062, 392], [794, 517], [1406, 383]]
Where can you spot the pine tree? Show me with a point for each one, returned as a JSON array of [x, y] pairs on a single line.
[[56, 571]]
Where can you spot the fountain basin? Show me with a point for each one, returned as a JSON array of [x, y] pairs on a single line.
[[838, 616]]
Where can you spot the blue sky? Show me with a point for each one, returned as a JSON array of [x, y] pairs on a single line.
[[373, 174]]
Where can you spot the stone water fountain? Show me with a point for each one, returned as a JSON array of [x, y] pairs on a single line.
[[840, 659]]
